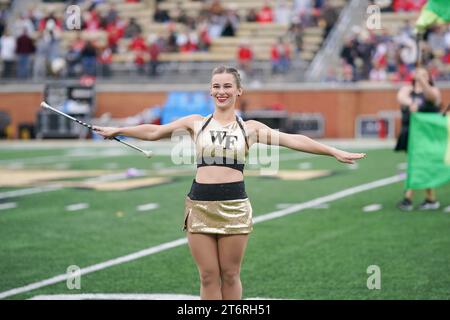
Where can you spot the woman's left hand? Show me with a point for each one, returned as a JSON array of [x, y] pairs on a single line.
[[347, 157]]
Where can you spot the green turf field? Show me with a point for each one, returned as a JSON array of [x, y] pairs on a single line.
[[315, 253]]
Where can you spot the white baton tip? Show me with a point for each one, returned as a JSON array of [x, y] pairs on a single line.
[[44, 105], [148, 154]]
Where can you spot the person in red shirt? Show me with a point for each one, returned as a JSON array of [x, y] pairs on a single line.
[[280, 56], [92, 22], [245, 57], [115, 32], [139, 48], [50, 23], [265, 15]]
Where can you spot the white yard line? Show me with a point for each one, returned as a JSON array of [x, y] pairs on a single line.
[[116, 296], [372, 207], [25, 192], [77, 206], [182, 241], [125, 296], [147, 207], [66, 157], [8, 205]]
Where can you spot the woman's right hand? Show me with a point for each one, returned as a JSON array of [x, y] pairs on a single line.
[[106, 132]]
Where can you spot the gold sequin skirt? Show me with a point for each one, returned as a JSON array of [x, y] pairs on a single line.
[[218, 209]]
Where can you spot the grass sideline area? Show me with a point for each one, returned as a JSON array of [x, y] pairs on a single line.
[[315, 253]]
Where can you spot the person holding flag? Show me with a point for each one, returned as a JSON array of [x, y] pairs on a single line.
[[426, 168], [420, 96]]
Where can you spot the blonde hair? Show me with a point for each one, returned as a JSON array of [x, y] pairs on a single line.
[[230, 70]]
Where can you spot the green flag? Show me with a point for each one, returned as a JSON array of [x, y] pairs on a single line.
[[428, 151], [433, 12]]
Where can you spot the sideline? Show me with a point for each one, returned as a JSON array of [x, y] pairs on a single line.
[[175, 243]]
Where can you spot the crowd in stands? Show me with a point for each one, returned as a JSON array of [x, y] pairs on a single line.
[[34, 46], [391, 55]]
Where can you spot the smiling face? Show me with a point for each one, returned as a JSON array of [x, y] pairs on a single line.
[[224, 90]]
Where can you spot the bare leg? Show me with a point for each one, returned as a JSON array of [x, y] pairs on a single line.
[[204, 251], [231, 254], [430, 195], [409, 194]]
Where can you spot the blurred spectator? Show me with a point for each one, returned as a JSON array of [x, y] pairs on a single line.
[[331, 75], [24, 22], [171, 45], [160, 15], [73, 56], [187, 41], [89, 58], [154, 51], [265, 14], [391, 56], [2, 21], [348, 73], [231, 25], [348, 52], [365, 49], [105, 60], [216, 8], [139, 49], [406, 30], [41, 57], [280, 57], [403, 74], [73, 60], [115, 31], [112, 15], [54, 41], [282, 13], [215, 26], [245, 57], [8, 54], [204, 40], [407, 5], [378, 73], [295, 36], [252, 15], [50, 23], [179, 15], [132, 29], [91, 21], [24, 49], [330, 16], [436, 40], [303, 10]]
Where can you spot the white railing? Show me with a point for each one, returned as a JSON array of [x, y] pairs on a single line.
[[353, 14]]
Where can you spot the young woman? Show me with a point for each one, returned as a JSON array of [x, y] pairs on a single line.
[[218, 213], [420, 96]]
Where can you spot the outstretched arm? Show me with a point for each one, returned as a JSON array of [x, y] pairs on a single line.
[[150, 132], [266, 135]]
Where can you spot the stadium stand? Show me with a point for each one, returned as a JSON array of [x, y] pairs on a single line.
[[188, 36], [389, 53]]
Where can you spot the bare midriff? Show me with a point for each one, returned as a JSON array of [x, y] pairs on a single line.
[[217, 174]]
